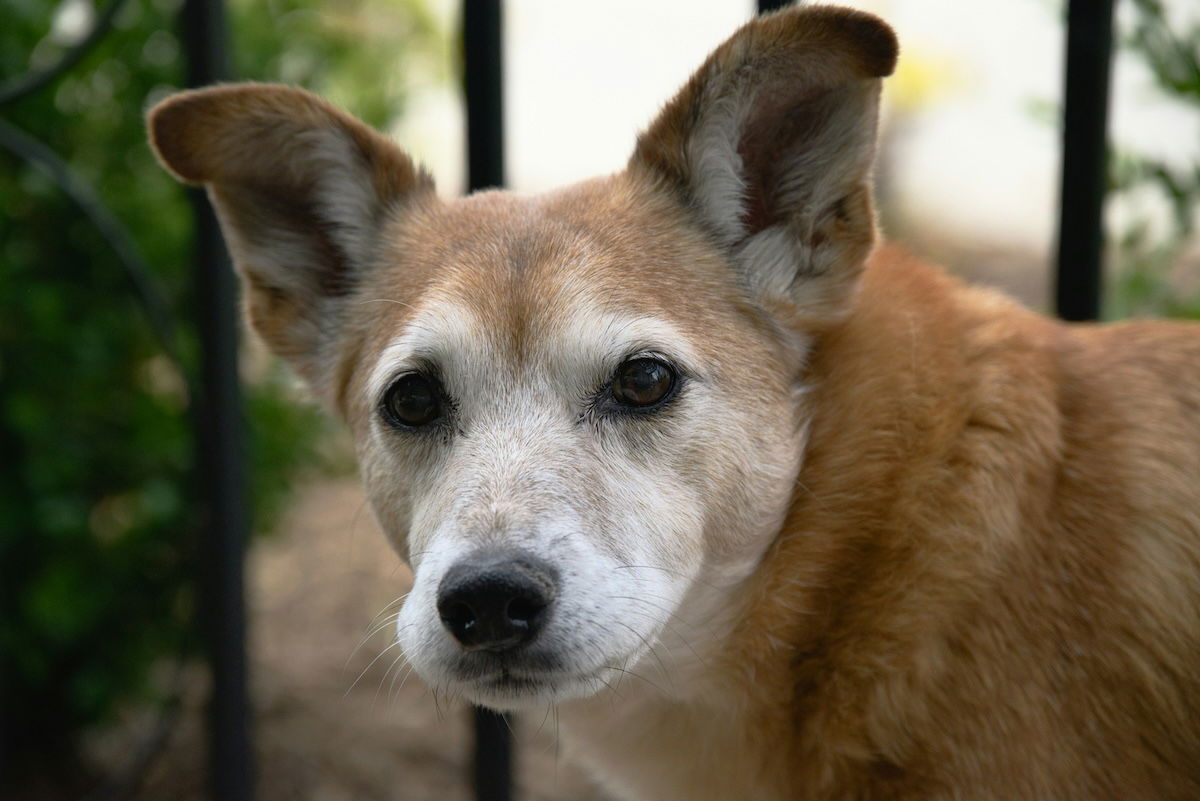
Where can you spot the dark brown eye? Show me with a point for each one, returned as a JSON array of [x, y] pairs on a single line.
[[642, 382], [413, 400]]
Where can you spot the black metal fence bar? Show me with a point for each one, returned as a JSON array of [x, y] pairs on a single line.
[[220, 450], [1084, 159], [483, 85], [772, 5], [482, 33]]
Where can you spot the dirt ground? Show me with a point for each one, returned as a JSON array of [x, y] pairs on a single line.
[[335, 719]]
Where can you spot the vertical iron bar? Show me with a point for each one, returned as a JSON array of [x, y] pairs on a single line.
[[492, 771], [1084, 159], [482, 83], [482, 31], [765, 6], [220, 449]]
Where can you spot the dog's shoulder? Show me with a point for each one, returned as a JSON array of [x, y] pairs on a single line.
[[989, 497]]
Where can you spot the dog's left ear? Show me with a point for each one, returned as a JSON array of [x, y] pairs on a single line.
[[771, 145]]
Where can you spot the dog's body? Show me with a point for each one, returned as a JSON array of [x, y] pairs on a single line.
[[765, 517]]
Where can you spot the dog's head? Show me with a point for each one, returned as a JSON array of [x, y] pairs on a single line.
[[580, 416]]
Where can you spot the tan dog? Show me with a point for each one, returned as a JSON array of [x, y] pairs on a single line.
[[765, 515]]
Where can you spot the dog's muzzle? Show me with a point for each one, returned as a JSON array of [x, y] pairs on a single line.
[[497, 601]]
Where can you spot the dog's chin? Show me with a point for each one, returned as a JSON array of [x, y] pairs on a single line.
[[507, 690]]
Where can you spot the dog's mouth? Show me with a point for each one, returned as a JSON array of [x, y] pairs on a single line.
[[512, 683], [509, 681], [513, 690]]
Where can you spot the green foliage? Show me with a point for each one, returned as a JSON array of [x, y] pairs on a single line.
[[1146, 255], [360, 54], [97, 505]]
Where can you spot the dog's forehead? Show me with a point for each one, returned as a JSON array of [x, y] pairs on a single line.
[[516, 261], [551, 278], [510, 256]]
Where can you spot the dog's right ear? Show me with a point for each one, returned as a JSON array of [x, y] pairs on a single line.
[[302, 191], [770, 146]]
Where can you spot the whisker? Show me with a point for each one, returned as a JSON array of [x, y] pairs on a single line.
[[386, 300], [673, 631], [394, 602], [627, 671], [557, 739], [368, 667], [662, 668], [613, 689], [665, 622], [354, 520], [669, 572], [411, 669], [544, 718], [383, 678], [388, 621], [815, 497]]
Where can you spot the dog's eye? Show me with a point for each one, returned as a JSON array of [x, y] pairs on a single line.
[[642, 382], [413, 400]]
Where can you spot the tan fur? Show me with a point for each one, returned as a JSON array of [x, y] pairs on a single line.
[[998, 527], [988, 585], [944, 548]]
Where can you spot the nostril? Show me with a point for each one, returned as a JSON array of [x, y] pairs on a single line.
[[459, 617], [522, 611]]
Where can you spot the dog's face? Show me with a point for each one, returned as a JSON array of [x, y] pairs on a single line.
[[562, 444], [579, 416]]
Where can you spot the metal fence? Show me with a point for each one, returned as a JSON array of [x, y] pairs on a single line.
[[218, 419]]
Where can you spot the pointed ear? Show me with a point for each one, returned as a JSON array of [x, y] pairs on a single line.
[[771, 145], [302, 191]]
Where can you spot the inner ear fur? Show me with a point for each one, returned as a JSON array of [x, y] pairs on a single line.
[[301, 189], [771, 145]]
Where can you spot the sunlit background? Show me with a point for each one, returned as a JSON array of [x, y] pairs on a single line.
[[971, 141], [103, 696]]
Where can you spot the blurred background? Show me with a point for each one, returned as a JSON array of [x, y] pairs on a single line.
[[103, 683]]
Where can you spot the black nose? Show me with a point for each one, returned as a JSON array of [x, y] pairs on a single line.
[[496, 600]]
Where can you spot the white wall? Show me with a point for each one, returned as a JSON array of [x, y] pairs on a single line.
[[970, 155]]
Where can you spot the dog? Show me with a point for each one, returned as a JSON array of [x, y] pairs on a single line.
[[765, 509]]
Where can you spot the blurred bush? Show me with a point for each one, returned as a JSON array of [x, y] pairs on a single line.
[[1146, 253], [97, 509]]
